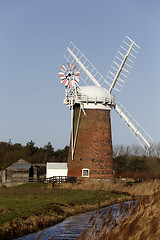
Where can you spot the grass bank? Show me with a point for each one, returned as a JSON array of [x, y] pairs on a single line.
[[33, 206]]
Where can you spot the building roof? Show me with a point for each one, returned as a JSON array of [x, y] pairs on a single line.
[[55, 165], [20, 164]]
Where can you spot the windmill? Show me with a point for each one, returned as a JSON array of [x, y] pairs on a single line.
[[90, 101]]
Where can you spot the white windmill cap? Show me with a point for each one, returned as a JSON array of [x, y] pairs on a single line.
[[94, 91], [94, 97]]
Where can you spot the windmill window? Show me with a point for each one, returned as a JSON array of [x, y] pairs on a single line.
[[85, 172], [80, 159], [92, 159]]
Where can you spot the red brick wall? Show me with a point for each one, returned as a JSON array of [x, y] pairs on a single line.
[[94, 145]]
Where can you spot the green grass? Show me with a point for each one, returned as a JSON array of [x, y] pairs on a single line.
[[33, 198]]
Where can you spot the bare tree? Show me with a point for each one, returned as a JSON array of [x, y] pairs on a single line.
[[136, 150]]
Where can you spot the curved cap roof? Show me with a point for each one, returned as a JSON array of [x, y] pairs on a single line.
[[94, 91]]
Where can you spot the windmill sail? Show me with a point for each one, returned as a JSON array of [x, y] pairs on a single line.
[[141, 135], [89, 74], [115, 80], [122, 64]]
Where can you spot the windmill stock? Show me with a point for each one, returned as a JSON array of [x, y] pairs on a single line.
[[89, 97]]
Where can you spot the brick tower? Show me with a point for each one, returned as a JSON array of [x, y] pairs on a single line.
[[93, 151], [92, 156]]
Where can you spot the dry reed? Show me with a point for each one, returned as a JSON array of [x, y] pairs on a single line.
[[142, 222], [141, 189]]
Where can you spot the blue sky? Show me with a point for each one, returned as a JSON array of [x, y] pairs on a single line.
[[34, 35]]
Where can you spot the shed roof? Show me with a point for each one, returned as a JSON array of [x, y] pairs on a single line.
[[55, 165], [20, 164]]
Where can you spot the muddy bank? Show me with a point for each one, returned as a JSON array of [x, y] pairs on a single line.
[[57, 213]]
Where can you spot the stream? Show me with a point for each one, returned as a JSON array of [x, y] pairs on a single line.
[[74, 226]]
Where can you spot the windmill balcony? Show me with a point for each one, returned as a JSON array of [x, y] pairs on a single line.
[[81, 98]]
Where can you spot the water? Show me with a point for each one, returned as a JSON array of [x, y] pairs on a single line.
[[73, 226]]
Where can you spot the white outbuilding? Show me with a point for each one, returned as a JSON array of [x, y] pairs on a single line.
[[54, 169]]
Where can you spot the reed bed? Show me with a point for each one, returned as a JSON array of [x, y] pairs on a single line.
[[138, 223], [135, 222], [140, 189]]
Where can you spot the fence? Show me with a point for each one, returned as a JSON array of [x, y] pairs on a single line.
[[63, 179], [56, 179]]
